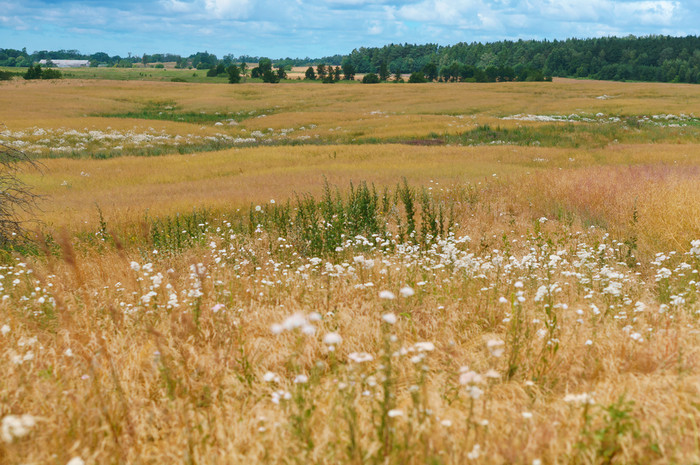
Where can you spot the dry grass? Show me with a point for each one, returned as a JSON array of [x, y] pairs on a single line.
[[124, 348]]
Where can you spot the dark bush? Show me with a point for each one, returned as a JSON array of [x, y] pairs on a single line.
[[370, 78]]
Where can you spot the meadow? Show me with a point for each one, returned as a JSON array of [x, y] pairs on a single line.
[[347, 273]]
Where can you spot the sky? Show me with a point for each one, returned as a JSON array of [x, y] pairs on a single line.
[[317, 28]]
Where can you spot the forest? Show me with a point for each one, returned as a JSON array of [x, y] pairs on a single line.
[[651, 58]]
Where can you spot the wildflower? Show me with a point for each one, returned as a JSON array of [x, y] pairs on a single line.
[[527, 415], [276, 328], [495, 347], [406, 292], [583, 398], [424, 346], [389, 318], [135, 266], [360, 357], [280, 395], [475, 453], [5, 329], [258, 208], [395, 413], [388, 295], [446, 423], [503, 300], [217, 307], [14, 426], [470, 377], [76, 461], [271, 377], [332, 339], [695, 249], [301, 379]]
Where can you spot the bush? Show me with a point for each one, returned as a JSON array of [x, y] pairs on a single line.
[[270, 77], [17, 200], [6, 76], [51, 74], [370, 78], [417, 77], [34, 72], [160, 66], [234, 74]]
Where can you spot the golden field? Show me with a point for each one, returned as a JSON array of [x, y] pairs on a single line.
[[213, 281]]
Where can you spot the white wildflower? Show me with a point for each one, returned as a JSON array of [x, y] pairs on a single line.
[[332, 339], [360, 357], [406, 292], [496, 347], [16, 426]]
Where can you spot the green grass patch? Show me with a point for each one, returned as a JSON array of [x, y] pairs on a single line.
[[167, 110]]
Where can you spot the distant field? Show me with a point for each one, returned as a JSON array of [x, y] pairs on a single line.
[[386, 274]]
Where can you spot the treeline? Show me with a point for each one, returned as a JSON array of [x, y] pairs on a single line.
[[651, 58]]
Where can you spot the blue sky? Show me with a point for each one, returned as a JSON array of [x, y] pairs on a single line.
[[315, 28]]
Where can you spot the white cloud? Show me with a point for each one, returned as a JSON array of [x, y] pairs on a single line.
[[575, 10], [375, 28], [229, 9], [440, 11], [177, 6], [648, 12], [609, 12]]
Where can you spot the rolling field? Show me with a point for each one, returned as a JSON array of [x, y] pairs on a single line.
[[346, 273]]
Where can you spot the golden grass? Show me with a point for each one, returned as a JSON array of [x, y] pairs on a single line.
[[146, 381], [125, 187]]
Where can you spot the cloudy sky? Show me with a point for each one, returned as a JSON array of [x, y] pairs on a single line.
[[315, 28]]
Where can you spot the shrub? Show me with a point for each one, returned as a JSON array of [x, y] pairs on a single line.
[[51, 74], [417, 77], [34, 72], [370, 78]]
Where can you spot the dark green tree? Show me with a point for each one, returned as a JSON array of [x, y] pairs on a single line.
[[430, 71], [234, 74], [271, 77], [321, 71], [310, 74], [281, 73], [348, 71], [383, 71]]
